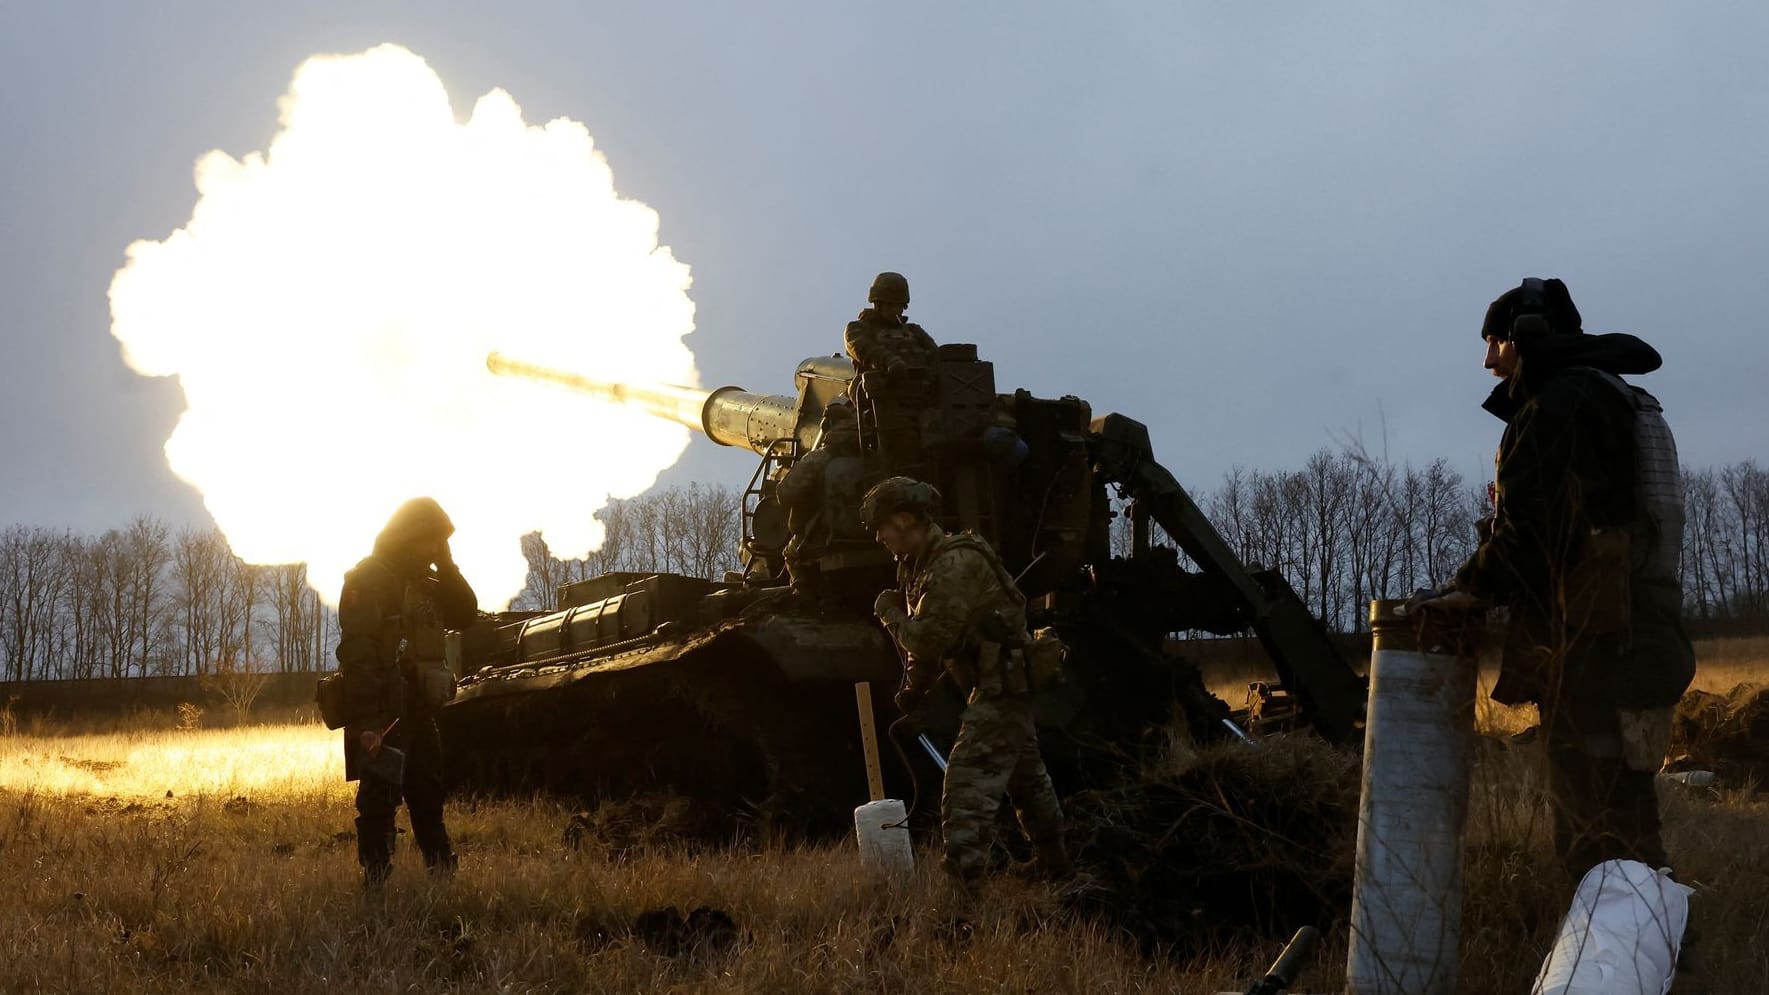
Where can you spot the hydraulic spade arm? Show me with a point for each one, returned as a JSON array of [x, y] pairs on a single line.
[[1329, 691]]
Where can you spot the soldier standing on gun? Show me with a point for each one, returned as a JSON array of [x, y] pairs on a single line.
[[956, 610], [391, 616], [1583, 548], [881, 338]]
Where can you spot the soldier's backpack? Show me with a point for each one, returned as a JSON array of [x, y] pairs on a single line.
[[1657, 530], [1600, 588]]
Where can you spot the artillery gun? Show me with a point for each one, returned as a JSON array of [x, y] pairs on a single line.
[[739, 693]]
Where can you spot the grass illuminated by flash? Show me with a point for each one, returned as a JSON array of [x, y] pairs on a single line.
[[277, 760]]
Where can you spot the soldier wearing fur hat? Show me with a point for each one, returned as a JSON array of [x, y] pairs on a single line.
[[391, 616], [956, 611], [1582, 548]]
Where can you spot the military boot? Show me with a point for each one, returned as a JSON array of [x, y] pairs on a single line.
[[374, 851], [442, 865], [964, 878], [1051, 862], [439, 853]]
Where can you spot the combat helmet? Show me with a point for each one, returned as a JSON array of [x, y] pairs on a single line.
[[839, 410], [889, 288], [895, 494]]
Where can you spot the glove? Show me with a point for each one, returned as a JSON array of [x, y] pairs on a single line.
[[1445, 598], [888, 606]]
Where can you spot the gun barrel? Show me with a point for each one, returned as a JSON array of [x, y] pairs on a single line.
[[730, 416]]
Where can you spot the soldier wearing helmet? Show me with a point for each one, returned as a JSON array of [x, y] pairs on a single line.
[[881, 339], [957, 612], [391, 616]]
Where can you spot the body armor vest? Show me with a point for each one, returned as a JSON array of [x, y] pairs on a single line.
[[991, 660], [1657, 530]]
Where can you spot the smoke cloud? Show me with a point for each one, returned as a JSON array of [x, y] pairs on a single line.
[[329, 306]]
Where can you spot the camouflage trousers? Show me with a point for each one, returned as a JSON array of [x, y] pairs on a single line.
[[996, 753]]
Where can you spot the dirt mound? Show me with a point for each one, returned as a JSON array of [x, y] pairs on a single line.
[[1259, 839], [1725, 733], [668, 932]]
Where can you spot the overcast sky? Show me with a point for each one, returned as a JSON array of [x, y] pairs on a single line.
[[1261, 228]]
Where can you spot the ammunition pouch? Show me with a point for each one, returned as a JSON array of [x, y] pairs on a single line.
[[334, 706], [991, 669], [1014, 676], [436, 684], [1044, 660], [1001, 669]]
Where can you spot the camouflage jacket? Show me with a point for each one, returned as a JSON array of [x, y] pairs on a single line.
[[822, 493], [387, 624], [951, 587], [875, 345]]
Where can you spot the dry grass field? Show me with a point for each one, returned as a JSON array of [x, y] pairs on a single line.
[[167, 860]]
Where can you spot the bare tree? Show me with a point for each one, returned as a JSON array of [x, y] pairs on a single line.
[[689, 529], [296, 610], [1746, 489], [244, 594], [145, 552], [546, 574], [1725, 557], [202, 569], [81, 605], [709, 530], [1229, 510], [1366, 526], [237, 682], [1704, 576], [32, 576]]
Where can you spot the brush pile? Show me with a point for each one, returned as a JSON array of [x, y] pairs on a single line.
[[1725, 733], [1190, 854]]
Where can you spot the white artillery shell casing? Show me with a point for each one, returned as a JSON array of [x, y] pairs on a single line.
[[1407, 894]]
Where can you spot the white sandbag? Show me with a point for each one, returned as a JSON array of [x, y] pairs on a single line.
[[884, 838], [1621, 935]]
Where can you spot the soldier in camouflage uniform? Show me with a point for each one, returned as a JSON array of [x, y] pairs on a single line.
[[880, 338], [821, 493], [956, 610], [391, 616]]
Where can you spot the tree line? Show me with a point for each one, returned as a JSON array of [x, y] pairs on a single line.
[[1347, 528], [692, 529], [145, 600], [1343, 528]]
